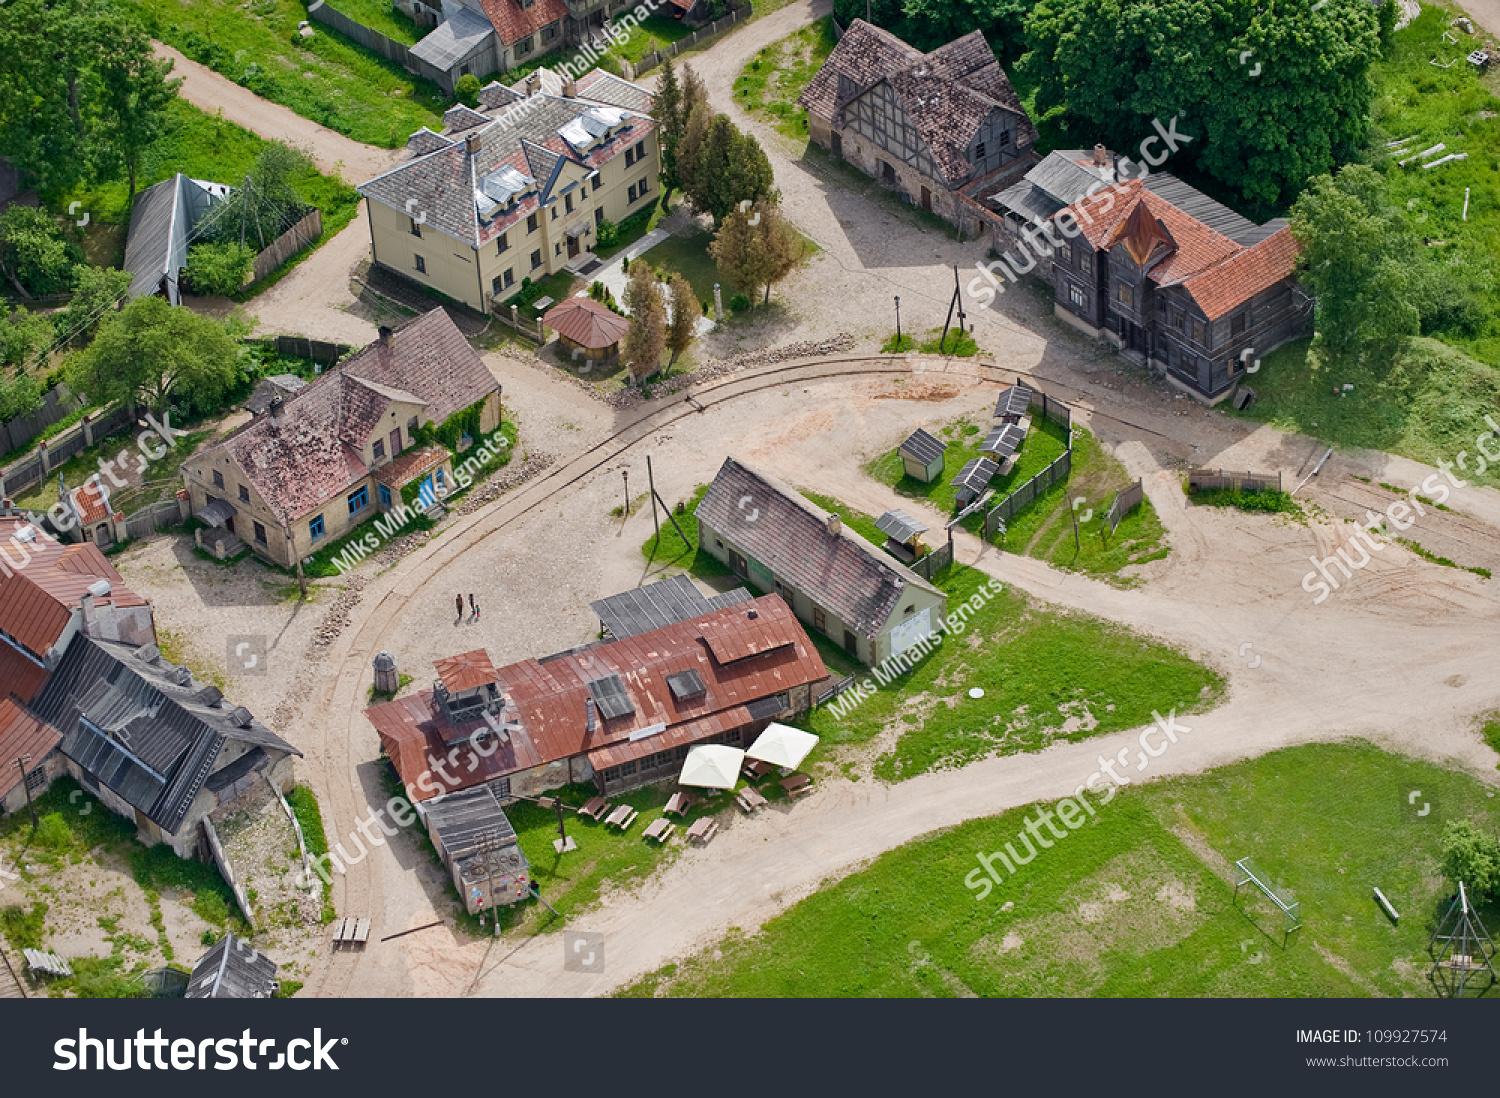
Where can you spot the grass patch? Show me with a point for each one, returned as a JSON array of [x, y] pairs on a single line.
[[1126, 906], [955, 342], [670, 551], [1270, 502], [768, 86], [653, 33], [24, 927], [1047, 676], [1490, 730], [327, 78], [898, 345], [559, 287], [375, 697], [687, 254], [1428, 555], [383, 17], [1426, 401], [310, 817]]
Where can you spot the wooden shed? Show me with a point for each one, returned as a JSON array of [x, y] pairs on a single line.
[[587, 329], [922, 456]]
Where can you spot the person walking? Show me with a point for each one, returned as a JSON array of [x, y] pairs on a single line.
[[474, 607], [458, 602]]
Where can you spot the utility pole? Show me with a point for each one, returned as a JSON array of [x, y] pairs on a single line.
[[21, 766], [292, 550], [898, 322], [651, 483], [626, 474]]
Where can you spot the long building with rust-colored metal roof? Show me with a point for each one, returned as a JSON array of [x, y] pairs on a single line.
[[619, 713]]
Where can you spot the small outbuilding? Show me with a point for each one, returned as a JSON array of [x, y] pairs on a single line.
[[973, 479], [233, 969], [478, 845], [587, 329], [922, 456], [903, 535], [1014, 405]]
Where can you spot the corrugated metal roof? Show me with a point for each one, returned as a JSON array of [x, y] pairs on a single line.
[[466, 671], [462, 33], [653, 605], [233, 969], [975, 476], [464, 819], [21, 734], [923, 447], [899, 525]]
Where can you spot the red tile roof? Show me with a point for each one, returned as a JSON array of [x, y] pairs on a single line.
[[467, 671], [22, 734], [410, 465], [43, 581], [547, 706], [1224, 287], [90, 501], [587, 323], [513, 23]]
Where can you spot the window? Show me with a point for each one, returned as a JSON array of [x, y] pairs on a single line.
[[598, 216], [598, 183], [979, 151], [411, 427], [380, 449], [244, 494], [557, 249], [531, 224], [421, 265], [260, 534], [1125, 294], [632, 193], [510, 277], [218, 479], [502, 243], [820, 619], [1237, 324], [1005, 139], [1178, 320], [554, 213], [359, 500], [568, 203], [1085, 260], [663, 758], [536, 259], [496, 285], [524, 47], [1077, 296], [629, 156], [36, 779], [385, 496], [315, 528], [548, 33], [1200, 333], [645, 186], [627, 769], [1161, 306], [438, 476]]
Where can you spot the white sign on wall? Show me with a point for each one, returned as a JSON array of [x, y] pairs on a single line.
[[910, 631]]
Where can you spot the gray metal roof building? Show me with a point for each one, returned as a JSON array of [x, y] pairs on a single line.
[[975, 476], [653, 605], [923, 446], [900, 526], [162, 226], [233, 969]]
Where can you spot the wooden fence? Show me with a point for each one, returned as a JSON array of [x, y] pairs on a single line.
[[388, 48], [833, 690], [58, 404], [153, 517], [313, 349], [32, 469], [1126, 500], [288, 244], [1206, 480], [934, 562], [702, 34]]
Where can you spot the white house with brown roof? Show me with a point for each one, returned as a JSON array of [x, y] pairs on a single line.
[[327, 457], [925, 125], [515, 190], [858, 596]]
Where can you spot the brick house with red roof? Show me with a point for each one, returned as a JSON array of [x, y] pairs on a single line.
[[619, 713], [926, 125]]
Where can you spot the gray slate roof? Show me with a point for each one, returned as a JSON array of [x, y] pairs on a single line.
[[789, 535], [144, 728], [233, 969], [654, 605], [924, 447]]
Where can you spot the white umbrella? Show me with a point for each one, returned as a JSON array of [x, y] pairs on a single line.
[[712, 766], [782, 746]]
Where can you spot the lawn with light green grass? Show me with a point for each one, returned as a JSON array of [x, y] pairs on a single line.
[[1139, 901], [769, 84]]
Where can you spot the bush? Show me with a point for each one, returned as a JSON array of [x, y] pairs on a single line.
[[467, 89], [607, 235], [739, 303], [1473, 857], [52, 832], [218, 269]]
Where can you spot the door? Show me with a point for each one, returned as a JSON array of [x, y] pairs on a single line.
[[395, 442], [739, 564], [926, 200], [851, 643], [572, 247], [838, 144]]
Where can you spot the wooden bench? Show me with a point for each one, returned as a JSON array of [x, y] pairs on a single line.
[[660, 829], [796, 785], [351, 931], [595, 808], [703, 831], [679, 804]]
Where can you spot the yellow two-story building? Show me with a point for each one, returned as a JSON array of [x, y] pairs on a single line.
[[516, 189]]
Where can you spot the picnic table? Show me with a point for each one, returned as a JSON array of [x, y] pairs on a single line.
[[703, 831], [595, 808], [797, 784], [749, 799], [756, 769], [679, 804], [660, 829], [622, 817]]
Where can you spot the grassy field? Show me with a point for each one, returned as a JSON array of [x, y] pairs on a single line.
[[769, 85], [1428, 403], [163, 473], [326, 78], [1140, 900], [687, 254], [653, 33], [381, 16]]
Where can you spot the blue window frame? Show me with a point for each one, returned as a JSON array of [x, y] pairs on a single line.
[[359, 500], [385, 496], [315, 528], [440, 482]]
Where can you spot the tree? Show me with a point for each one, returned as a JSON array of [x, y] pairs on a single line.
[[267, 204], [96, 291], [25, 339], [135, 90], [666, 110], [690, 147], [731, 168], [33, 254], [467, 89], [642, 348], [152, 353], [1267, 95], [756, 248], [1358, 259], [218, 268], [782, 245], [685, 313], [1473, 857]]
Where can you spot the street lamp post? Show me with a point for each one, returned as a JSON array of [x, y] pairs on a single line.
[[626, 474], [21, 766], [898, 322]]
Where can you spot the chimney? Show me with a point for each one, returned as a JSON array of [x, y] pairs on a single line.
[[471, 144], [275, 406], [1115, 171], [835, 524], [385, 335], [533, 83], [570, 88], [86, 604], [1101, 157]]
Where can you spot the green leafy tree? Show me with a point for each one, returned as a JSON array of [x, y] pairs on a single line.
[[644, 343], [682, 329], [783, 247], [1472, 856], [33, 254], [220, 269], [135, 90], [266, 204], [1270, 94], [152, 353], [467, 89], [756, 248], [97, 291], [1358, 262], [689, 152], [25, 339], [731, 168]]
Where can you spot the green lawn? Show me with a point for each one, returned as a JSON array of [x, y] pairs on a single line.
[[687, 254], [326, 78], [162, 475], [769, 85], [381, 16], [1429, 403], [670, 552], [655, 32], [1139, 901]]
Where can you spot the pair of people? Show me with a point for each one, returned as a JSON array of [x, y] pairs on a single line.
[[458, 606]]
